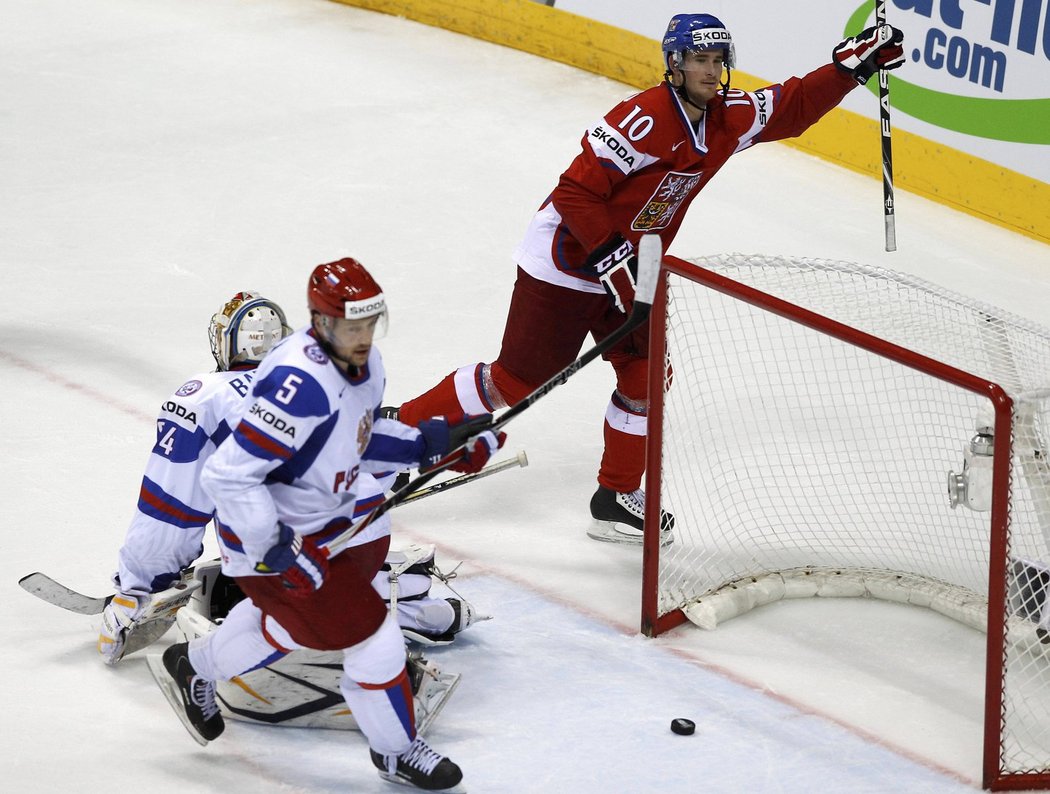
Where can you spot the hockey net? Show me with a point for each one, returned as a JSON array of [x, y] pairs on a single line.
[[823, 428]]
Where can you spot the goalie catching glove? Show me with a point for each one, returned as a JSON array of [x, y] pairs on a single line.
[[616, 266], [301, 564], [872, 49], [440, 439]]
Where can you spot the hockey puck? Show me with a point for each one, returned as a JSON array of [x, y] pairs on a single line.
[[683, 727]]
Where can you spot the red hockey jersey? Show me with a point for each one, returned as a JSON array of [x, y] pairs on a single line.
[[644, 163]]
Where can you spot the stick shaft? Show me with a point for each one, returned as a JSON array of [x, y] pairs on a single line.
[[519, 460], [649, 257], [885, 131]]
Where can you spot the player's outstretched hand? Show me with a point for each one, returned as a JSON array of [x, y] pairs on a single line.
[[478, 450], [441, 438], [302, 565], [872, 49], [616, 265]]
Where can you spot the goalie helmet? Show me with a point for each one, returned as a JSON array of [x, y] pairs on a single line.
[[687, 32], [344, 289], [245, 330]]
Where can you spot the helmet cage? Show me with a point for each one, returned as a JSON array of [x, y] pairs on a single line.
[[245, 330]]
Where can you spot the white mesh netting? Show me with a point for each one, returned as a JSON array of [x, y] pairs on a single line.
[[796, 464]]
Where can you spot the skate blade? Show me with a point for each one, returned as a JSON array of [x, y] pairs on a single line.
[[171, 692], [456, 789], [608, 532]]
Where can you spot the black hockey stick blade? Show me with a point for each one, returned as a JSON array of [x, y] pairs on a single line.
[[650, 254], [47, 589]]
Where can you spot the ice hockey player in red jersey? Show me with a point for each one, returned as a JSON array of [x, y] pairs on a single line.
[[640, 168]]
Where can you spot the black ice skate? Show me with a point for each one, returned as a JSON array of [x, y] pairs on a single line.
[[619, 518], [192, 697], [419, 766]]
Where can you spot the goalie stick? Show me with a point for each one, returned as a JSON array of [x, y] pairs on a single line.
[[162, 604], [649, 256], [47, 589]]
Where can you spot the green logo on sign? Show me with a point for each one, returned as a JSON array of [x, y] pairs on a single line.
[[1014, 120]]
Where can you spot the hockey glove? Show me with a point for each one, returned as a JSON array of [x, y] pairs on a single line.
[[440, 439], [870, 50], [616, 266], [302, 565], [118, 618]]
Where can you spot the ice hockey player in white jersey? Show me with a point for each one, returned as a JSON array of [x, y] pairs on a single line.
[[286, 481], [166, 533]]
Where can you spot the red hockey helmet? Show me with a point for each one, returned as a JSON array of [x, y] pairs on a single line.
[[344, 289]]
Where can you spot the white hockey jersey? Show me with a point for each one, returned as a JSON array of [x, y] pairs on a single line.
[[167, 530], [300, 446]]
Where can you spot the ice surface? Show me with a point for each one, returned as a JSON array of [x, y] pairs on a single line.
[[156, 157]]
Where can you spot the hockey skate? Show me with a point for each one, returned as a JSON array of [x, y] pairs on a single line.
[[191, 697], [419, 766], [620, 517]]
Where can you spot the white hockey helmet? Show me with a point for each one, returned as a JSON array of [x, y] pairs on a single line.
[[245, 329]]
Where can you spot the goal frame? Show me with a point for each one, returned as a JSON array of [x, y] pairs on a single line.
[[654, 624]]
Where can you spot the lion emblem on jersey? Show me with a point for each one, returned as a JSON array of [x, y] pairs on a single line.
[[665, 201], [364, 433]]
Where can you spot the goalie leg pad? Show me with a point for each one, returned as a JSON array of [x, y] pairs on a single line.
[[238, 645]]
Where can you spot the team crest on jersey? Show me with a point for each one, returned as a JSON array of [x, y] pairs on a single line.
[[188, 388], [665, 201], [315, 354], [364, 433]]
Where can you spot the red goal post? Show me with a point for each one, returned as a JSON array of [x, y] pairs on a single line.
[[833, 429]]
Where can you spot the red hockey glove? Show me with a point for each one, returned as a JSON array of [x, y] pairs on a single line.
[[616, 266], [302, 565], [440, 438], [870, 50], [478, 450]]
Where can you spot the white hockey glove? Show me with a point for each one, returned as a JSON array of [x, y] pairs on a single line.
[[616, 266], [118, 618], [872, 49]]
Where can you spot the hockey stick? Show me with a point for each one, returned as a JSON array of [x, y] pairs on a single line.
[[649, 256], [47, 589], [519, 460], [887, 148]]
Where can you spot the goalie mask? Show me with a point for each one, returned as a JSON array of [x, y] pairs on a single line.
[[245, 330], [696, 32]]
